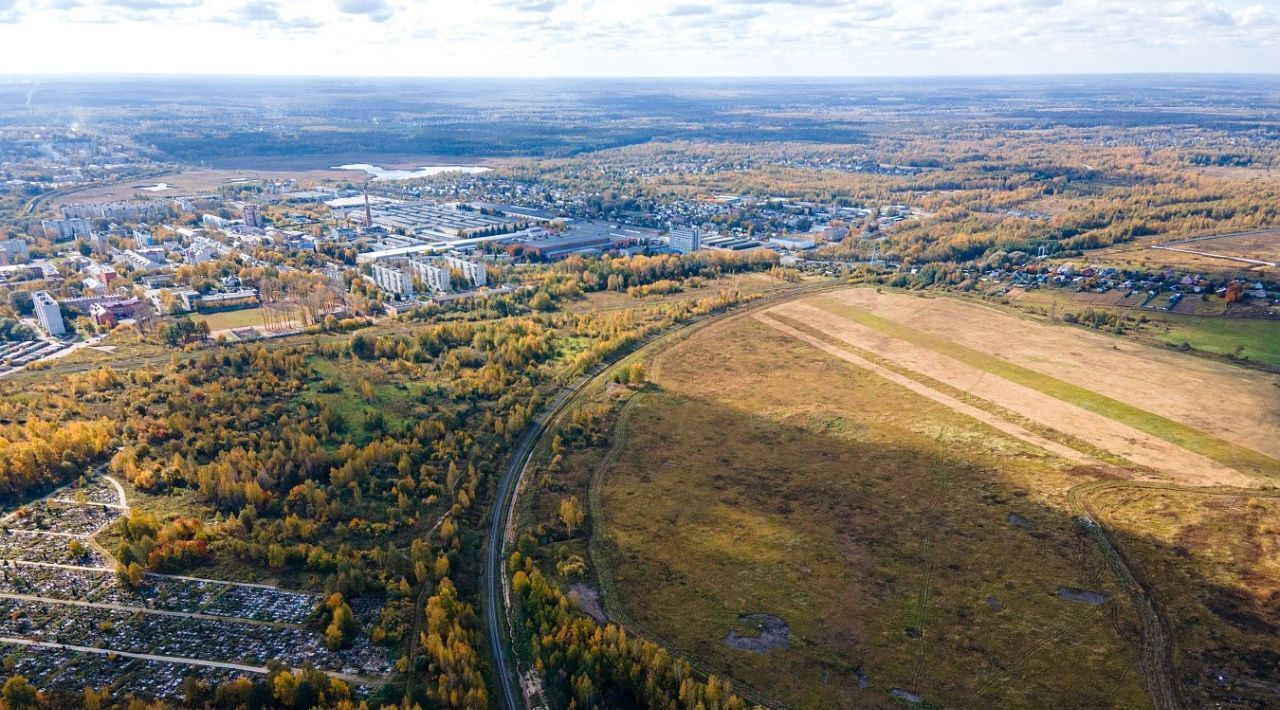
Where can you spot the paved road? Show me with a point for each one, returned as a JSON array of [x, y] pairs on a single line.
[[261, 670], [512, 696]]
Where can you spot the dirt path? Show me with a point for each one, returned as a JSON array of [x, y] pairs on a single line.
[[260, 670], [144, 610], [1107, 434]]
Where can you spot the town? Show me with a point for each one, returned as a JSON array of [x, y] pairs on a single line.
[[373, 392]]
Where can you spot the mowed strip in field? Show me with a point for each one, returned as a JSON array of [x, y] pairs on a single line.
[[1184, 453], [1236, 404]]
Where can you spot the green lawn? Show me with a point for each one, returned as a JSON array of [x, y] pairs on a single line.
[[1257, 340], [224, 320]]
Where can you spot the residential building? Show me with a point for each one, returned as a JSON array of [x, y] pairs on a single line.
[[252, 215], [61, 230], [685, 239], [433, 275], [48, 313], [473, 270], [392, 280], [12, 251], [212, 221], [108, 313]]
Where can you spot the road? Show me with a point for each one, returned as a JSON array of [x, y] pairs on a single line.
[[496, 603], [495, 599], [144, 610], [261, 670]]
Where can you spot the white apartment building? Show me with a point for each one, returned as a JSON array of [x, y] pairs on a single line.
[[473, 270], [252, 216], [393, 281], [60, 230], [435, 276], [47, 312], [685, 239], [13, 250]]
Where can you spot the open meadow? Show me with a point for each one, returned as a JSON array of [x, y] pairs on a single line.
[[883, 497], [1253, 253]]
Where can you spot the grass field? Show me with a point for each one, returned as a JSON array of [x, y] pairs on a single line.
[[1155, 391], [854, 465], [225, 320], [906, 546], [1263, 245], [1257, 340], [1212, 563]]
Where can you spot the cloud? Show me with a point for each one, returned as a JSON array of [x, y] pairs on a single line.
[[267, 14], [1254, 16], [685, 10], [543, 6], [375, 10], [149, 5], [9, 12]]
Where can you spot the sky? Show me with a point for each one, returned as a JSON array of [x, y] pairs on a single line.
[[638, 37]]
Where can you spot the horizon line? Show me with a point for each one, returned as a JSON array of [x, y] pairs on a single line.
[[89, 74]]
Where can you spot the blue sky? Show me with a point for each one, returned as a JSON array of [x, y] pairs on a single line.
[[638, 37]]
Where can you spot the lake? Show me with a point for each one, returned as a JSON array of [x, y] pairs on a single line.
[[379, 173]]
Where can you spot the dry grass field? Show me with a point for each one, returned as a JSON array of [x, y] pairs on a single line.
[[878, 472], [1211, 563], [907, 546], [1262, 245], [197, 181], [1156, 391]]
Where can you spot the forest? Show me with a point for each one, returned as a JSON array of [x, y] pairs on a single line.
[[355, 464]]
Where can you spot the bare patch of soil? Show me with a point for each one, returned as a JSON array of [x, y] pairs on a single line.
[[772, 631], [587, 600]]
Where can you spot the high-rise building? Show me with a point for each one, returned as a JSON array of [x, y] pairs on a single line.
[[60, 230], [252, 216], [48, 313], [433, 275], [685, 239], [12, 251], [393, 281], [473, 270]]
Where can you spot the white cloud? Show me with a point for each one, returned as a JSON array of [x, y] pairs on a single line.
[[630, 37], [376, 10]]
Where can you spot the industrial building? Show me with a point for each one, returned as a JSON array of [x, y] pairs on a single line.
[[445, 221], [48, 313]]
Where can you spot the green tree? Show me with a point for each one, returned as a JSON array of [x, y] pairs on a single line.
[[19, 694]]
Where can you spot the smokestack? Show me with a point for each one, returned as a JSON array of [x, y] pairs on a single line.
[[368, 214]]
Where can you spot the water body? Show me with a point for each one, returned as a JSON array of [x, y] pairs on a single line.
[[379, 173], [158, 187]]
